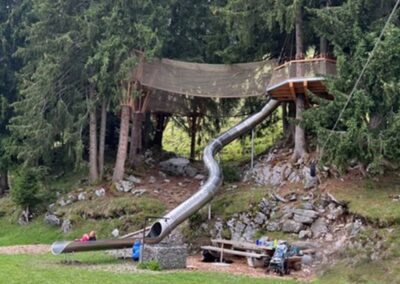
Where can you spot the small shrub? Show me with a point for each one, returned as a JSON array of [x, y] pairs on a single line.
[[25, 189], [230, 174], [150, 265]]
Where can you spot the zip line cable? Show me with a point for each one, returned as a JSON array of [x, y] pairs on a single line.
[[361, 74]]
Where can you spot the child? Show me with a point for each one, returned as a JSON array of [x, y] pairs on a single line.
[[88, 237]]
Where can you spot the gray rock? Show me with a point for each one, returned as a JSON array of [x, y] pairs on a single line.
[[190, 171], [308, 206], [152, 179], [303, 245], [115, 233], [303, 219], [218, 229], [51, 220], [248, 234], [290, 226], [124, 186], [264, 206], [305, 234], [260, 218], [62, 202], [311, 182], [100, 192], [291, 196], [139, 192], [245, 218], [66, 226], [335, 212], [162, 174], [167, 256], [176, 238], [319, 227], [81, 196], [273, 226], [307, 213], [178, 167], [51, 207], [134, 179], [329, 237], [354, 228], [199, 177], [306, 260]]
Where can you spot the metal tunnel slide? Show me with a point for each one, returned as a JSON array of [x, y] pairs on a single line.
[[163, 227]]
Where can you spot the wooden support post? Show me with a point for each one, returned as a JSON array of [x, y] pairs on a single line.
[[252, 148], [221, 258], [292, 91]]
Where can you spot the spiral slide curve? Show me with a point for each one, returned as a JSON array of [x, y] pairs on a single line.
[[162, 227]]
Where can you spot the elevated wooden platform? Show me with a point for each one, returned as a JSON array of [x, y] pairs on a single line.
[[299, 77]]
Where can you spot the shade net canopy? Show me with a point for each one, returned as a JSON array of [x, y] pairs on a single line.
[[205, 80]]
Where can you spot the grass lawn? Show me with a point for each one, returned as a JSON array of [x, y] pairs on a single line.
[[372, 200], [44, 269]]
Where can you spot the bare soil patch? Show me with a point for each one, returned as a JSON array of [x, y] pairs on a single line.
[[25, 249]]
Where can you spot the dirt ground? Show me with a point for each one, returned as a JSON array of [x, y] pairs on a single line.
[[240, 267], [27, 249]]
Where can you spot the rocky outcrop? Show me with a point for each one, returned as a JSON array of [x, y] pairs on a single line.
[[178, 167], [51, 220], [276, 169]]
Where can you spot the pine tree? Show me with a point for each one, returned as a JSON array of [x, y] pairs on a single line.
[[366, 133]]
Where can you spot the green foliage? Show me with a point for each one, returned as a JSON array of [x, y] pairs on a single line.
[[25, 189], [238, 200], [230, 173], [373, 200], [150, 265], [368, 129]]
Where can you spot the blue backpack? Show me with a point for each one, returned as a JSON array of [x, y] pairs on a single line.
[[136, 250]]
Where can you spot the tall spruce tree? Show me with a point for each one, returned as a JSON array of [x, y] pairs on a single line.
[[367, 131]]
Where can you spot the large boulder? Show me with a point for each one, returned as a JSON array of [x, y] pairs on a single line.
[[291, 226], [178, 167], [305, 216], [124, 186], [66, 226], [319, 227], [51, 220]]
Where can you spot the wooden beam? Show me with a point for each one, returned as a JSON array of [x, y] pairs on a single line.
[[292, 90]]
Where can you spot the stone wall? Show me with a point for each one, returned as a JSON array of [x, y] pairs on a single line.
[[168, 256]]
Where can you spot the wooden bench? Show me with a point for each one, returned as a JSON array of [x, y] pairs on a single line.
[[254, 253]]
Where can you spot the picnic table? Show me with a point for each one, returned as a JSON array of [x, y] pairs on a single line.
[[256, 254]]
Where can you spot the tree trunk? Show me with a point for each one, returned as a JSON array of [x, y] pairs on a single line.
[[193, 131], [323, 43], [3, 182], [119, 169], [285, 121], [102, 137], [299, 34], [136, 138], [300, 137], [93, 170], [146, 134], [160, 127], [323, 46]]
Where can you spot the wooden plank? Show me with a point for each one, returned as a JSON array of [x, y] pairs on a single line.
[[241, 245], [234, 252]]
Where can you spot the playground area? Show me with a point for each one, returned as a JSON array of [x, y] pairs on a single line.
[[205, 142]]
